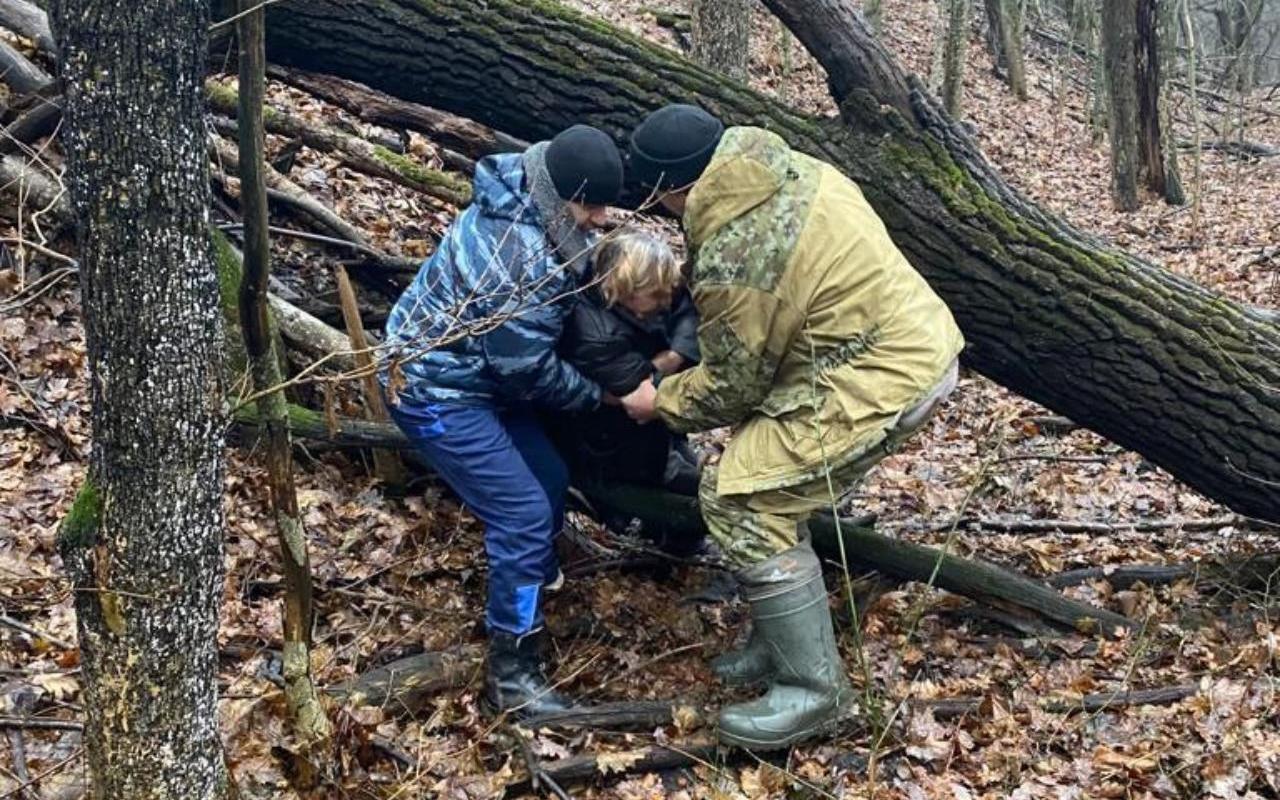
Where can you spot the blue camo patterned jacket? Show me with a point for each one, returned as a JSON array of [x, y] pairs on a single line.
[[480, 322]]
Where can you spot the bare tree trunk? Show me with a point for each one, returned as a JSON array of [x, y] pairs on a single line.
[[872, 12], [1014, 34], [1167, 40], [1236, 21], [1148, 79], [1189, 29], [722, 35], [311, 725], [953, 58], [1098, 104], [1006, 33], [144, 541], [1119, 35]]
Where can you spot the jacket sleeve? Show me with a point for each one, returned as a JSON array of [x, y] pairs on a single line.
[[743, 335], [521, 352], [521, 349], [682, 327], [603, 353]]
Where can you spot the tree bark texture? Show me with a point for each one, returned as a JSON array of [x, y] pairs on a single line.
[[1006, 35], [722, 35], [1153, 361], [310, 723], [1149, 79], [1119, 35], [954, 50], [1167, 53], [143, 542]]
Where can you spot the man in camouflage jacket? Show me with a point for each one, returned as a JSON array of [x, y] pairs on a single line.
[[822, 348]]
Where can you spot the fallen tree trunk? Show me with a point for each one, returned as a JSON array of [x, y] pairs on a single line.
[[19, 73], [343, 432], [1151, 360], [41, 119], [408, 684], [950, 708], [355, 152], [895, 557], [284, 191], [29, 20], [447, 130], [678, 514]]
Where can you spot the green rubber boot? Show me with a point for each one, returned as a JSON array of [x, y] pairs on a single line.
[[808, 689], [746, 665]]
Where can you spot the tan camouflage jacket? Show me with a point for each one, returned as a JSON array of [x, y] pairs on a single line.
[[816, 333]]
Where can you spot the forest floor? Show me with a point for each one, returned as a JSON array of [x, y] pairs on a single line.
[[399, 576]]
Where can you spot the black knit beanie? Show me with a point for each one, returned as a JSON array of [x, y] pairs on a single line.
[[673, 145], [585, 166]]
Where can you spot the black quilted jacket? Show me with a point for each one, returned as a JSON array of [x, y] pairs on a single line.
[[614, 348]]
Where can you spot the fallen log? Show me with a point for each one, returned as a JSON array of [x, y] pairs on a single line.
[[19, 73], [407, 685], [677, 514], [1259, 571], [284, 191], [346, 432], [353, 151], [972, 578], [1090, 703], [38, 121], [643, 715], [1151, 360], [378, 108], [1240, 149], [28, 19], [1004, 525], [628, 762], [310, 335]]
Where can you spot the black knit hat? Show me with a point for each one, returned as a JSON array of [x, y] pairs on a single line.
[[585, 166], [673, 145]]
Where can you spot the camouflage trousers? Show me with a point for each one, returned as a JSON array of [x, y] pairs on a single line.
[[750, 528]]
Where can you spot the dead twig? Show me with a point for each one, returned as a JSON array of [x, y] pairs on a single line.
[[947, 708], [37, 723], [9, 621], [1005, 525]]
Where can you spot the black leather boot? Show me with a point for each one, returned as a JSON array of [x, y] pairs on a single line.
[[516, 682]]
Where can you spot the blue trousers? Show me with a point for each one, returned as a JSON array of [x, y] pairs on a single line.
[[503, 466]]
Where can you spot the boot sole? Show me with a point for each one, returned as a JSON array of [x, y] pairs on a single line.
[[765, 745], [827, 727]]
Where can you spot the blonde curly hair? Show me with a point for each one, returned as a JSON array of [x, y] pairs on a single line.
[[631, 262]]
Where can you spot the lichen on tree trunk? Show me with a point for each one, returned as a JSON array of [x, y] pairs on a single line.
[[954, 50], [144, 541], [1149, 359], [722, 35]]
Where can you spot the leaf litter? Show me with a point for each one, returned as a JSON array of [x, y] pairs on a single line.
[[400, 576]]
